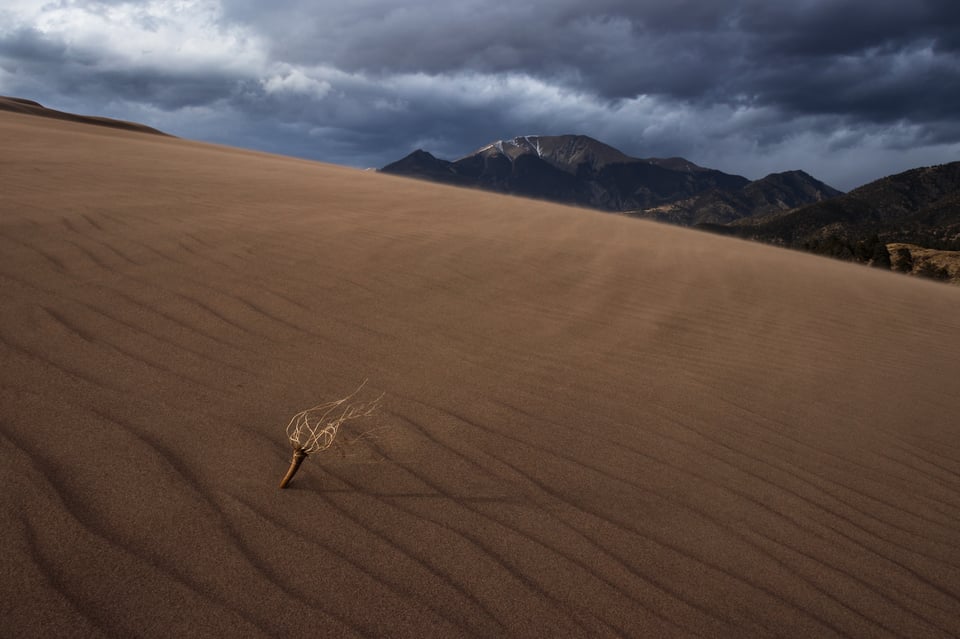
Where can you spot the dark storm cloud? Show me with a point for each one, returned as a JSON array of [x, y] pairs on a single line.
[[83, 79], [846, 27], [859, 62], [28, 45], [586, 45], [878, 87], [841, 69], [703, 51], [751, 84]]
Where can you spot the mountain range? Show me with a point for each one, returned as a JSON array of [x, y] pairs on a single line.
[[919, 205], [576, 169], [909, 221]]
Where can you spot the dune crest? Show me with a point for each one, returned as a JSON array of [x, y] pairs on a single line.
[[31, 107], [592, 425]]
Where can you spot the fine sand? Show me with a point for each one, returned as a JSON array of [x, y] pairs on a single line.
[[592, 426]]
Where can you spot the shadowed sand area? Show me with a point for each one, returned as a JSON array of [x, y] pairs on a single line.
[[593, 426]]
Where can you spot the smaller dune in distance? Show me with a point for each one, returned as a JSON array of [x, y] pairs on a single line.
[[592, 426], [31, 107]]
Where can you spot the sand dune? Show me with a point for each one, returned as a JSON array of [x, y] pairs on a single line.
[[31, 107], [593, 426]]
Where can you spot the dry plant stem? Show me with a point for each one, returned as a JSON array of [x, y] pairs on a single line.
[[315, 429], [298, 456]]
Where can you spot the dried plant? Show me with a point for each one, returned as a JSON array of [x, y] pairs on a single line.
[[316, 429]]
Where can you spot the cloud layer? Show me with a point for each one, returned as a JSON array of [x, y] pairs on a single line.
[[848, 90]]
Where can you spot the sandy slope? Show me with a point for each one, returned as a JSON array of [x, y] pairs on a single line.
[[593, 426], [31, 107]]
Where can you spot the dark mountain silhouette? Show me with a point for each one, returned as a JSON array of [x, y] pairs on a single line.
[[765, 198], [576, 169], [920, 206], [573, 169], [904, 220]]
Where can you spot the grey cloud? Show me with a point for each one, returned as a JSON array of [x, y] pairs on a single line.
[[161, 90], [424, 35], [878, 87], [29, 45], [773, 53], [83, 72], [847, 27], [737, 82]]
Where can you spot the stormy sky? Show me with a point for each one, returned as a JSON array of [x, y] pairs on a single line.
[[848, 90]]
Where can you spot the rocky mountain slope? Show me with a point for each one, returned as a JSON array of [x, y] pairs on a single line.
[[894, 221], [920, 206], [576, 169], [767, 197]]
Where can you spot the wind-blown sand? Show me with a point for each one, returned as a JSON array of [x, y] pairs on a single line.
[[593, 426]]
